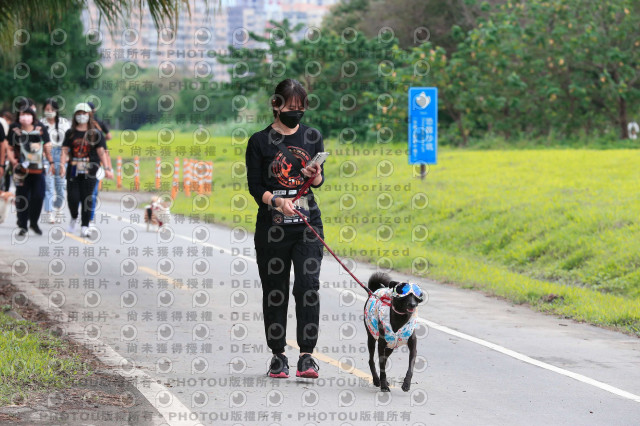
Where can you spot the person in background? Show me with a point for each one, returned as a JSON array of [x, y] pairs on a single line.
[[26, 103], [5, 119], [5, 171], [55, 183], [103, 126], [83, 149], [29, 146], [107, 136], [12, 120]]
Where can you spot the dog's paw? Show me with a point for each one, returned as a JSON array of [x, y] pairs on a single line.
[[406, 386]]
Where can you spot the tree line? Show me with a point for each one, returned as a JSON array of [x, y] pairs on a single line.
[[519, 68], [507, 68]]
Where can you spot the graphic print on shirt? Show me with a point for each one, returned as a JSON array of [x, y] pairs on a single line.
[[80, 157], [283, 170], [80, 148], [33, 152], [30, 146]]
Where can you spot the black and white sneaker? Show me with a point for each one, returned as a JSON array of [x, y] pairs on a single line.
[[279, 367], [307, 367]]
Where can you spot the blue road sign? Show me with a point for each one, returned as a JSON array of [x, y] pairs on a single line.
[[423, 125]]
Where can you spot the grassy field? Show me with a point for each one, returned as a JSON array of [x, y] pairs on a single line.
[[31, 360], [556, 228]]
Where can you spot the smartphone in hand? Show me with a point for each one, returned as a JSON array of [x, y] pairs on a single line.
[[318, 158]]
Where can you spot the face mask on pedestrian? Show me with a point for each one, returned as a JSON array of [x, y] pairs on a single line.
[[291, 118], [26, 119], [50, 114], [82, 118]]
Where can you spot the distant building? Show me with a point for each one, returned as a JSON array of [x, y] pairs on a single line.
[[244, 17], [310, 14], [191, 50]]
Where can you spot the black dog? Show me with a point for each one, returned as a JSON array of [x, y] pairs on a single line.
[[390, 318]]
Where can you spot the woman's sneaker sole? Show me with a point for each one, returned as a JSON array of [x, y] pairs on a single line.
[[310, 374], [279, 368]]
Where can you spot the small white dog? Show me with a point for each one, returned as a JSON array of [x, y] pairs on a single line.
[[157, 213], [6, 199]]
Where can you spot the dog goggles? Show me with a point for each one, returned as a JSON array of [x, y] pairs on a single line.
[[406, 289]]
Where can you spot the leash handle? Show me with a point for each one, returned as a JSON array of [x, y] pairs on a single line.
[[303, 188]]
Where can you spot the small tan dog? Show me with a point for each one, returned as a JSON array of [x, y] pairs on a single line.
[[157, 213], [6, 199]]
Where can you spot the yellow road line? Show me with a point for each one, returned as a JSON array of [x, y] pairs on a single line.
[[346, 368], [176, 284], [75, 237]]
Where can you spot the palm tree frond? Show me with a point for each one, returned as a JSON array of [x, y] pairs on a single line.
[[23, 13]]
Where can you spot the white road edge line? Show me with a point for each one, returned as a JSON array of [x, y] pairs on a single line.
[[476, 340], [147, 385], [523, 358], [532, 361]]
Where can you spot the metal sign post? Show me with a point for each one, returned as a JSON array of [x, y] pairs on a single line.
[[423, 126]]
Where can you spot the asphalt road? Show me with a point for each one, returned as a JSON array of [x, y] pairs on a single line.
[[184, 308]]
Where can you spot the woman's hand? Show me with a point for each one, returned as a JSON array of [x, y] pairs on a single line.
[[286, 206], [312, 170], [52, 169]]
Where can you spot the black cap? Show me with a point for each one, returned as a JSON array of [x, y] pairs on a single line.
[[91, 105]]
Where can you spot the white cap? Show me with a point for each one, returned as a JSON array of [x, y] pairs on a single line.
[[82, 107]]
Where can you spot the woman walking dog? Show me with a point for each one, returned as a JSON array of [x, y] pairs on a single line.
[[276, 160]]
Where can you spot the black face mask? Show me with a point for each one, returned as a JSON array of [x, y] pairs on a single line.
[[291, 118]]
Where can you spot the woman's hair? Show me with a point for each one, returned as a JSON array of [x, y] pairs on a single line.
[[92, 124], [54, 105], [27, 111], [286, 91], [24, 104], [7, 115]]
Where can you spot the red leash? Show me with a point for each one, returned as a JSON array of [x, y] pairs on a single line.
[[301, 192]]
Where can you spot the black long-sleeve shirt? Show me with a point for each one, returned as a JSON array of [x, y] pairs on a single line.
[[269, 170]]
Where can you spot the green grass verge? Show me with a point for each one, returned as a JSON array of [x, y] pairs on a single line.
[[32, 360], [554, 228]]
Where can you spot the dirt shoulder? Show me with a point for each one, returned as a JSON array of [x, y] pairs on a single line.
[[98, 397]]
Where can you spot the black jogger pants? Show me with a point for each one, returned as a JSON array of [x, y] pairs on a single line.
[[80, 191], [277, 247]]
